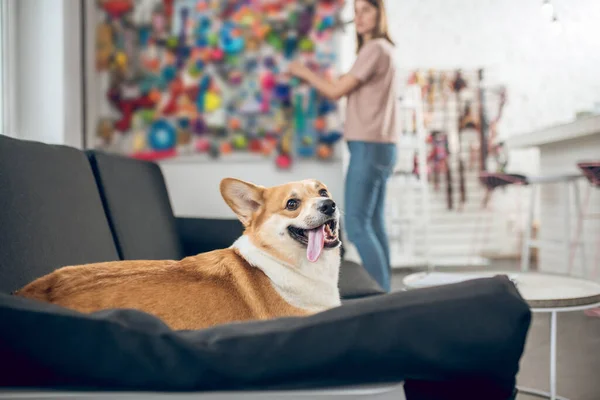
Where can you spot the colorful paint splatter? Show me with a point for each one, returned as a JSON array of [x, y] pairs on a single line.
[[208, 76]]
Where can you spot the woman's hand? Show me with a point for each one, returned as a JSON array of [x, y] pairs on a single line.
[[299, 70], [332, 90]]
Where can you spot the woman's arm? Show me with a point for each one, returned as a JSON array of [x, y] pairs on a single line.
[[332, 90]]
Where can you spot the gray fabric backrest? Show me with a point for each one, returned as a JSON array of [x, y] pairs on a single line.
[[138, 207], [51, 214]]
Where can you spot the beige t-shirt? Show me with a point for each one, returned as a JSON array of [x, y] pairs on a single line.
[[371, 108]]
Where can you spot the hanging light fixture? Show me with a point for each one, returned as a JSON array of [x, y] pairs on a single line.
[[556, 26], [547, 9]]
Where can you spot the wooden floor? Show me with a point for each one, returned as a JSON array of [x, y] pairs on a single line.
[[578, 352]]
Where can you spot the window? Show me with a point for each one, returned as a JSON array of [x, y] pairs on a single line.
[[7, 67], [2, 59]]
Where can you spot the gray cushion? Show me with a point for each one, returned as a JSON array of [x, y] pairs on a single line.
[[355, 282], [51, 214], [138, 207], [201, 235], [472, 332]]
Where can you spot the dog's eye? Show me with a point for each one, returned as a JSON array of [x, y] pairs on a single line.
[[292, 204], [323, 193]]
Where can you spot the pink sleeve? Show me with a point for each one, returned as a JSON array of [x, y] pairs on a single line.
[[366, 63]]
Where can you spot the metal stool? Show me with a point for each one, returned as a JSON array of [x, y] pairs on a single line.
[[591, 170], [493, 181], [528, 242]]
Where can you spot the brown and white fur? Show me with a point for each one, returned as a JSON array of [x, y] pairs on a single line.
[[265, 274]]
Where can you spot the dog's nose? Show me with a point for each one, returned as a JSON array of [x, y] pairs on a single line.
[[327, 207]]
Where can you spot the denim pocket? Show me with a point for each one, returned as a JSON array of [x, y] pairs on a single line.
[[382, 156]]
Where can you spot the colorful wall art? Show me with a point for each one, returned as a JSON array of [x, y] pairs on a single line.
[[187, 77]]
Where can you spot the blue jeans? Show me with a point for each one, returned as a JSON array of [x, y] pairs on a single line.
[[371, 164]]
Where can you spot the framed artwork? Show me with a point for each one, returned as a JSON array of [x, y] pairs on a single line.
[[207, 79]]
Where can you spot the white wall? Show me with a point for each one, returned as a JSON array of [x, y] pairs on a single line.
[[549, 78], [194, 187], [48, 76]]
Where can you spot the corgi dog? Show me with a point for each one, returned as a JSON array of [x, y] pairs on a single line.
[[286, 263]]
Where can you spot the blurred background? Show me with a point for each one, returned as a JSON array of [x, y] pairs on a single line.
[[499, 100], [100, 74]]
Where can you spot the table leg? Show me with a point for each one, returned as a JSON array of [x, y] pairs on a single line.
[[567, 222], [525, 252], [540, 393], [553, 318], [579, 235]]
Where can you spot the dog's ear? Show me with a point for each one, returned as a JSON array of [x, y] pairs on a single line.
[[244, 198]]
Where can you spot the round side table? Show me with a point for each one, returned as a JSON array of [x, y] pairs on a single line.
[[545, 293]]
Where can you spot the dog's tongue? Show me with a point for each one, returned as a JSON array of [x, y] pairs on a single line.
[[316, 241]]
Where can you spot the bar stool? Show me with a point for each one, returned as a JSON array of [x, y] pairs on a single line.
[[591, 170], [568, 181], [493, 181]]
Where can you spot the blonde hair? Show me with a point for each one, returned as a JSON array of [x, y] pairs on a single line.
[[381, 29]]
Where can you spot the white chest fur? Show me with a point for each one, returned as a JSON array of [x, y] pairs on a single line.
[[309, 286]]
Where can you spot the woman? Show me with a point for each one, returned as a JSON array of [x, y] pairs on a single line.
[[370, 131]]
